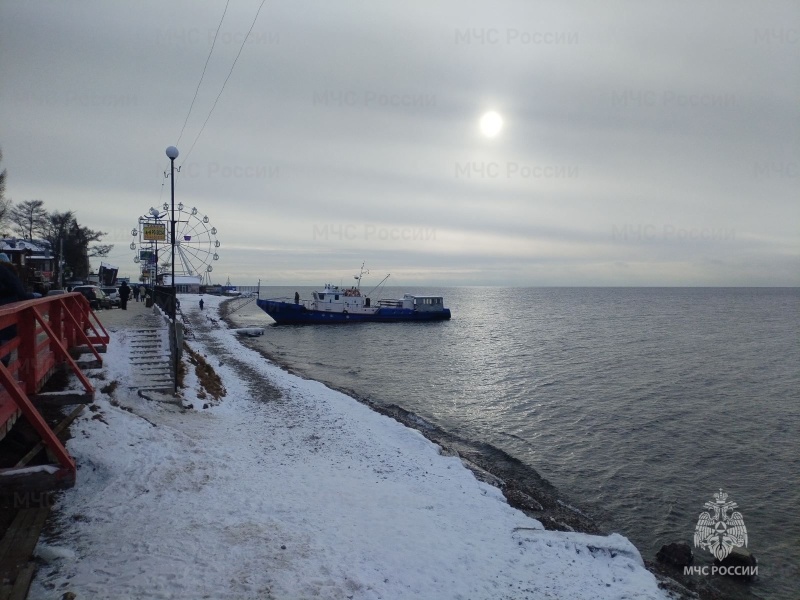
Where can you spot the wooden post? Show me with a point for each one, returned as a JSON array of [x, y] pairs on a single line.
[[26, 353], [56, 320], [51, 442]]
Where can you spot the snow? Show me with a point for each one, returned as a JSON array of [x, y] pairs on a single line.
[[251, 331], [288, 489], [26, 470]]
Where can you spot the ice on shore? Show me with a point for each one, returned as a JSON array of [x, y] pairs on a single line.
[[287, 489]]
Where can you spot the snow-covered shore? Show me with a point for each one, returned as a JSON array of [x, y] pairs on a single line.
[[287, 489]]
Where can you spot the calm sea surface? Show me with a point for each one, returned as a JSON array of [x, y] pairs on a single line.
[[637, 403]]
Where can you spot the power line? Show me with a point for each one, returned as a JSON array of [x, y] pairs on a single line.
[[210, 52], [199, 83], [225, 82]]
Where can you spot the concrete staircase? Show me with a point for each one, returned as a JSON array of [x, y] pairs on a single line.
[[148, 349]]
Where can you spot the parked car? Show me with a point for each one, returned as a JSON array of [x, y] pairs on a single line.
[[56, 292], [96, 296], [113, 295]]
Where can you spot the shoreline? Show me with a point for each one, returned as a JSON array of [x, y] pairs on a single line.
[[406, 503], [522, 486]]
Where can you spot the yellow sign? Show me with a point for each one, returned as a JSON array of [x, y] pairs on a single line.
[[155, 233]]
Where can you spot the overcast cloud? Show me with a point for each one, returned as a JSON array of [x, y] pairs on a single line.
[[644, 143]]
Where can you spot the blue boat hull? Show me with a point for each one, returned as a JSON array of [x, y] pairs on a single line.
[[286, 313]]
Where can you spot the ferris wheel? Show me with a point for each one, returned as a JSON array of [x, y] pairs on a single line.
[[196, 243]]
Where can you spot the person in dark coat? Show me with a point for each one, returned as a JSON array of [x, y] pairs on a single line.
[[91, 296], [11, 290], [124, 294], [201, 304], [135, 291]]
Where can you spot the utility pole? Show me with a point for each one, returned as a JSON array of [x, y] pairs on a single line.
[[61, 263], [172, 154]]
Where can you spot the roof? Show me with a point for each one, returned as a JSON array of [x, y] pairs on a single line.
[[18, 245]]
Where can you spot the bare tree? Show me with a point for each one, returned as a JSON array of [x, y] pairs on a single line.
[[5, 204], [30, 218]]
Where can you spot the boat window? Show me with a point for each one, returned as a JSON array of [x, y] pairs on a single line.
[[428, 301], [322, 296], [336, 297]]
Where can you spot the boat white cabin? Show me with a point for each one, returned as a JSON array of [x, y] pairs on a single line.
[[350, 300], [333, 299]]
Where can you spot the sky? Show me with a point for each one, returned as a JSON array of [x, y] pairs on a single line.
[[642, 143]]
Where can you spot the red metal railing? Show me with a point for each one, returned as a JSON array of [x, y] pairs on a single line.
[[47, 330]]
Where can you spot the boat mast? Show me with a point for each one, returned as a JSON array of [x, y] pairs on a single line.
[[361, 273]]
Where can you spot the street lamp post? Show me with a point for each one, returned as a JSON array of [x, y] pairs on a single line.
[[172, 154]]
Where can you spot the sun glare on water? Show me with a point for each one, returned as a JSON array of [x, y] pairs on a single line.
[[491, 124]]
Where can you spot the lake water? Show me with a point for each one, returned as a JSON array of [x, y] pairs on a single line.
[[637, 403]]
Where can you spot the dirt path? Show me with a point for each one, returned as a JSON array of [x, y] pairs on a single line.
[[201, 327]]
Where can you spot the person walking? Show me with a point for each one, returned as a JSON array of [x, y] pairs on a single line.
[[135, 292], [201, 304], [142, 292], [124, 294]]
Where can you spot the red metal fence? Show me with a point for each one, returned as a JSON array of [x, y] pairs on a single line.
[[36, 338]]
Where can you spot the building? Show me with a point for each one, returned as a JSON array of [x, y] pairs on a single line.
[[34, 262], [184, 284]]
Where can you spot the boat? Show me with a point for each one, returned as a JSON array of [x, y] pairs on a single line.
[[230, 290], [333, 304]]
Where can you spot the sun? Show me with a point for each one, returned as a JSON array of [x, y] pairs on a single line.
[[491, 124]]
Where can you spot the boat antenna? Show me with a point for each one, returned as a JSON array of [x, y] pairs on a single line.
[[361, 273], [379, 285]]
